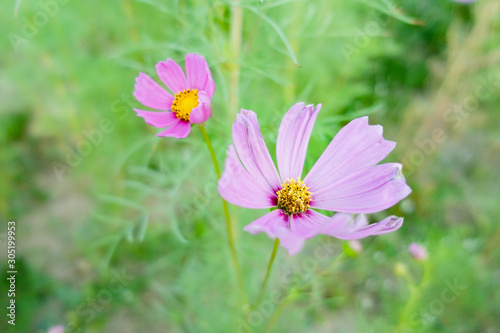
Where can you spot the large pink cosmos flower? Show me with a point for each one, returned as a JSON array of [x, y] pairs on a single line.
[[345, 179], [189, 103]]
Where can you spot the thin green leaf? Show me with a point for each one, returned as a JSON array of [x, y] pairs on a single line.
[[279, 32], [111, 249], [120, 201], [280, 3], [177, 232], [16, 7], [387, 7], [142, 227]]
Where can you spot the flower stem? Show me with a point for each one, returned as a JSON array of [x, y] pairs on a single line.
[[266, 278], [234, 256], [416, 291], [292, 292], [236, 27], [211, 150], [276, 314]]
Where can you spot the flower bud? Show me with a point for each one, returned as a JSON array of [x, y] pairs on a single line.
[[352, 248], [418, 252], [56, 329], [355, 245]]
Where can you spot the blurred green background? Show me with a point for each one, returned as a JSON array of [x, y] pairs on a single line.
[[121, 231]]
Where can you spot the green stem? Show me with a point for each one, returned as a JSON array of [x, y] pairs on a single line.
[[416, 291], [333, 265], [211, 150], [234, 256], [288, 298], [266, 278], [276, 314], [236, 28]]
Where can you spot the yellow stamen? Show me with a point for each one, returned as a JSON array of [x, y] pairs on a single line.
[[184, 102], [294, 196]]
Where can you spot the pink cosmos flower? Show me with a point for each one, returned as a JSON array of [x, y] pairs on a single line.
[[189, 102], [345, 179]]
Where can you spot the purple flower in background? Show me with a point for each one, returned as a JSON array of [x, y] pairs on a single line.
[[418, 252], [345, 179], [189, 103]]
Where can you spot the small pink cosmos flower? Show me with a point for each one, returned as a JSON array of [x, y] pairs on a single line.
[[345, 179], [189, 102]]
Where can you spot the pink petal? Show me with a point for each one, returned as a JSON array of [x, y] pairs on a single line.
[[268, 223], [368, 190], [158, 119], [172, 75], [199, 75], [252, 150], [307, 224], [293, 138], [275, 225], [180, 129], [203, 111], [346, 226], [238, 187], [290, 241], [355, 146], [151, 94]]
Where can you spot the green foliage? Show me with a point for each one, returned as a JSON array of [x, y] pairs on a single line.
[[148, 208]]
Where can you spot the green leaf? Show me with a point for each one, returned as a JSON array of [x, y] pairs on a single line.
[[120, 201], [142, 227], [279, 32], [387, 7]]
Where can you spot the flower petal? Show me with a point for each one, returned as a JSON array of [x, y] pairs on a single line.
[[158, 119], [151, 94], [290, 241], [252, 150], [369, 190], [355, 146], [203, 111], [172, 75], [346, 226], [307, 224], [238, 187], [199, 75], [293, 138], [268, 223], [275, 225], [180, 129]]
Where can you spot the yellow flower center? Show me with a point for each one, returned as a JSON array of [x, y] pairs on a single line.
[[184, 103], [294, 196]]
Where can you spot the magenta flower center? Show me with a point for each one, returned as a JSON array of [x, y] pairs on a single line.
[[294, 196], [184, 102]]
